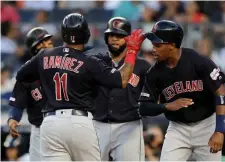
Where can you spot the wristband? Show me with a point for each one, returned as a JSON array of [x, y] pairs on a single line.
[[220, 100], [220, 123], [130, 57]]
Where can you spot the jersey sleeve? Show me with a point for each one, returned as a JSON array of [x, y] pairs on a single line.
[[19, 96], [29, 71], [150, 92], [211, 74], [104, 74]]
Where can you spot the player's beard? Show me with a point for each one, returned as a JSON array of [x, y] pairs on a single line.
[[115, 51]]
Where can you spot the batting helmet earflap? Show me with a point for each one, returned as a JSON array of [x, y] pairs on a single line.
[[165, 31], [74, 29], [34, 37], [118, 25]]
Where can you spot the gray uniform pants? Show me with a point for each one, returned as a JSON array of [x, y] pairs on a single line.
[[183, 141], [34, 149], [66, 137], [121, 141]]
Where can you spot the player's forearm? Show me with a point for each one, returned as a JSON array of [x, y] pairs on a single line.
[[133, 42], [151, 109], [126, 71], [15, 113]]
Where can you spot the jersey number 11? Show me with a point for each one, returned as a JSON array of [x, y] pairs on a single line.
[[60, 84]]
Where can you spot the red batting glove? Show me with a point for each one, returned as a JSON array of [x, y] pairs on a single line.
[[133, 42]]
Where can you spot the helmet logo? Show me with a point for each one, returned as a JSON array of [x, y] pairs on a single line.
[[41, 35], [72, 38], [117, 23], [154, 28]]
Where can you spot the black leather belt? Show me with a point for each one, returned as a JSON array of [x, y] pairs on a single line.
[[73, 112]]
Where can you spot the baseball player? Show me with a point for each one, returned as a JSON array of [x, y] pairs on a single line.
[[116, 117], [30, 95], [68, 75], [178, 74]]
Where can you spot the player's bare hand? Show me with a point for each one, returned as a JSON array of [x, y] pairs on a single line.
[[216, 142], [13, 124], [178, 104], [135, 40]]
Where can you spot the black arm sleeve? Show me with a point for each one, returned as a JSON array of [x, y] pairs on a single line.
[[104, 74], [29, 71], [150, 91], [19, 96], [151, 109], [149, 97]]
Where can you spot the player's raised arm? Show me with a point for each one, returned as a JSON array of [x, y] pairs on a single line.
[[134, 42]]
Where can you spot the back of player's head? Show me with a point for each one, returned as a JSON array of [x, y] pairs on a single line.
[[34, 37], [117, 25], [165, 31], [74, 29]]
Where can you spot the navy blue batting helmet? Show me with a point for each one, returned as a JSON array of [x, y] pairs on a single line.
[[165, 31]]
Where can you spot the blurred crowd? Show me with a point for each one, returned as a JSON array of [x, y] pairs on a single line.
[[203, 23]]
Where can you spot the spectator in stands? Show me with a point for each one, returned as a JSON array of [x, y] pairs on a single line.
[[170, 9], [153, 138], [223, 11], [46, 5], [219, 59], [84, 5], [9, 36], [192, 14], [111, 5], [9, 13], [149, 11], [215, 10], [42, 21], [205, 47], [13, 149], [131, 10], [11, 146], [6, 81]]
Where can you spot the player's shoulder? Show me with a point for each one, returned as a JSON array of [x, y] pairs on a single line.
[[191, 54], [194, 56], [50, 51], [89, 52], [104, 56], [99, 56]]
